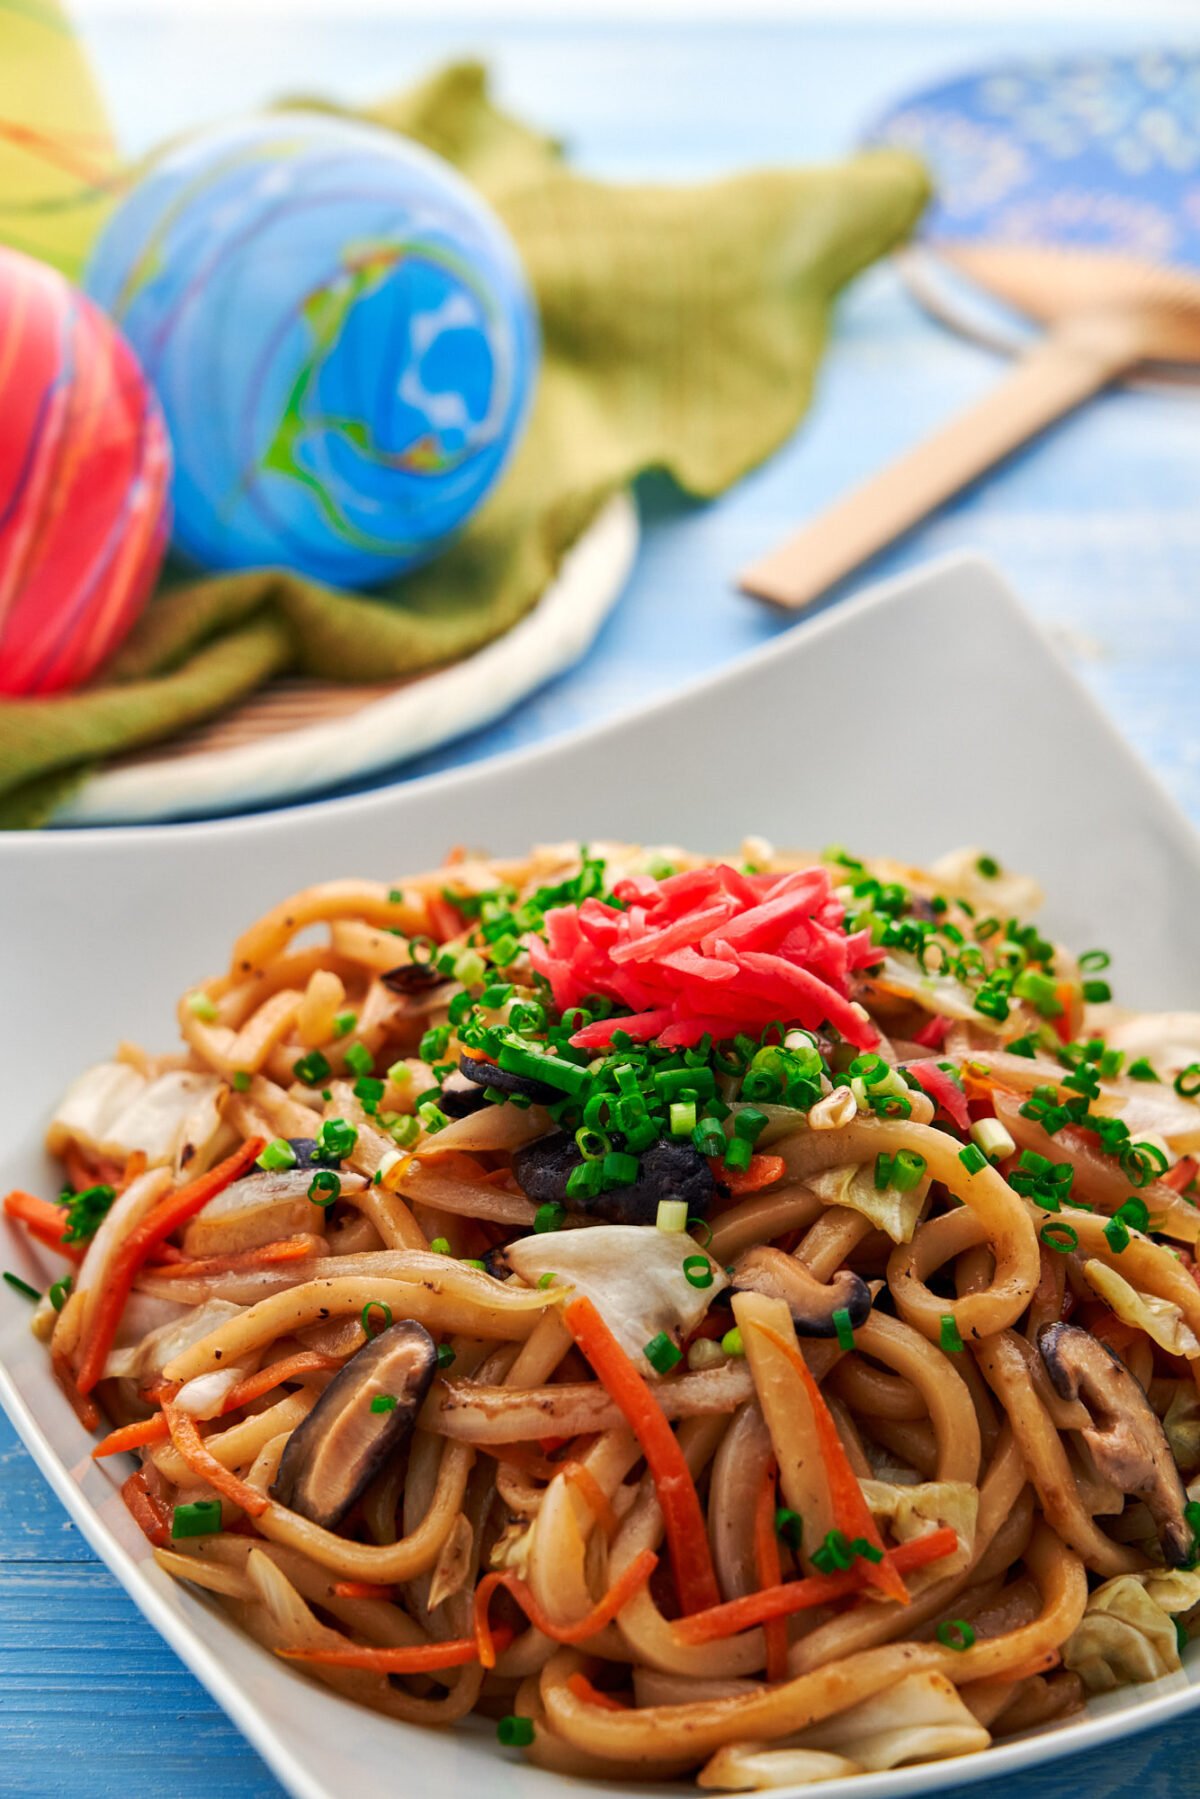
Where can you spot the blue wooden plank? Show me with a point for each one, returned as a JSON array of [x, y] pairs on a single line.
[[1098, 526]]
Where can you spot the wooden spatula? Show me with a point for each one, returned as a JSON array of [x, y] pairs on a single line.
[[1065, 188], [1106, 315]]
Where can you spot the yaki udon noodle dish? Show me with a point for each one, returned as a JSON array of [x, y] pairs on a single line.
[[731, 1320]]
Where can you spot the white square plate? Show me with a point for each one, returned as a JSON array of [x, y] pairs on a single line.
[[925, 714]]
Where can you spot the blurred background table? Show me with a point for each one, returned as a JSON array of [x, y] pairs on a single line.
[[1098, 527]]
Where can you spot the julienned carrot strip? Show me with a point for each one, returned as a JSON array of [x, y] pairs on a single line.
[[190, 1444], [683, 1520], [769, 1568], [42, 1220], [267, 1255], [150, 1515], [154, 1430], [603, 1612], [154, 1229], [581, 1687], [763, 1171], [850, 1509], [361, 1589], [803, 1595], [1181, 1176], [420, 1658]]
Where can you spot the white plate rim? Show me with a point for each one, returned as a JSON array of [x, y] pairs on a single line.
[[1165, 1700], [441, 706]]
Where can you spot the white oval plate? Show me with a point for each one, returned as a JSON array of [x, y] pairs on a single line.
[[806, 741], [418, 716]]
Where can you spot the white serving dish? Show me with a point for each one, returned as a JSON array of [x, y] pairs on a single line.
[[926, 713]]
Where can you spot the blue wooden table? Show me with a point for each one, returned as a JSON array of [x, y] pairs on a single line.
[[1098, 527]]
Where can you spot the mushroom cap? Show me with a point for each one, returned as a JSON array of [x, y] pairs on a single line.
[[666, 1170], [811, 1302], [1126, 1439], [332, 1457]]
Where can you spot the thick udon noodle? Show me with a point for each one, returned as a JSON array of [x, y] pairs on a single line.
[[522, 1461]]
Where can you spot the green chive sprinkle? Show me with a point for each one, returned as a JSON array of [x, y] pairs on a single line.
[[384, 1402], [1060, 1237], [445, 1356], [376, 1305], [515, 1732], [1187, 1081], [661, 1353], [549, 1217], [697, 1271], [955, 1633], [987, 866], [547, 1280], [278, 1155], [972, 1158], [951, 1341], [336, 1139], [1116, 1235], [312, 1069], [20, 1286], [58, 1293], [789, 1525], [344, 1023], [843, 1328], [199, 1519]]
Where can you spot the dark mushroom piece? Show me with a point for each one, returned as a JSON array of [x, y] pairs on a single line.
[[1126, 1440], [666, 1170], [811, 1302], [332, 1457], [487, 1074], [461, 1096], [413, 978], [307, 1156]]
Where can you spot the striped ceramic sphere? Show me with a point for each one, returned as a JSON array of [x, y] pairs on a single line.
[[85, 469], [340, 334]]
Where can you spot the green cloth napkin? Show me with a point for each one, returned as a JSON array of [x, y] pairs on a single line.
[[681, 331]]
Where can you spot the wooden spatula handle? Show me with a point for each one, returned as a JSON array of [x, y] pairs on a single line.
[[1064, 368]]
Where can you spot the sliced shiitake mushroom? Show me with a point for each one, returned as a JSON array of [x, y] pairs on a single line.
[[666, 1170], [332, 1457], [487, 1074], [413, 978], [461, 1096], [811, 1302], [1126, 1440]]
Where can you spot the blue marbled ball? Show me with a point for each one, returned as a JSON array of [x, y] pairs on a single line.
[[341, 336]]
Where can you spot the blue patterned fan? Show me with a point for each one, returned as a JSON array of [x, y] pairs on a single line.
[[1068, 191]]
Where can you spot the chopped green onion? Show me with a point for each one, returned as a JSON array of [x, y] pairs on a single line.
[[1094, 961], [515, 1732], [732, 1342], [683, 1117], [200, 1006], [620, 1169], [432, 1118], [697, 1271], [201, 1518], [789, 1525], [908, 1170], [955, 1633], [399, 1074], [1040, 990], [20, 1286], [1096, 992], [834, 1555], [344, 1023], [989, 1135], [738, 1154], [549, 1217], [336, 1138], [671, 1215], [1135, 1213], [1117, 1234], [987, 866], [359, 1058], [445, 1356], [312, 1069], [950, 1339], [405, 1131], [57, 1294], [470, 968], [883, 1171], [1141, 1070], [661, 1353], [972, 1158], [1060, 1237], [383, 1402], [439, 1246], [546, 1280], [368, 1091], [278, 1155], [241, 1081], [376, 1305], [325, 1187], [843, 1328], [1187, 1081], [593, 1145]]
